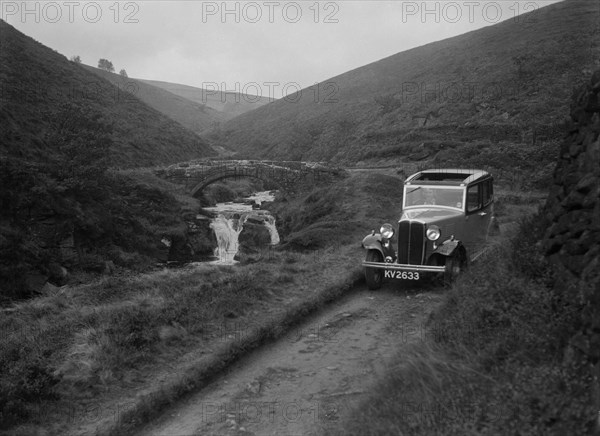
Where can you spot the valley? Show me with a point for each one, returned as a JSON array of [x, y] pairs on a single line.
[[136, 299], [200, 319]]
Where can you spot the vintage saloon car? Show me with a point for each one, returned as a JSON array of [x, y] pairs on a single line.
[[446, 217]]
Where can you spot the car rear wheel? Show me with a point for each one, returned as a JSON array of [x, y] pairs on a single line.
[[374, 276]]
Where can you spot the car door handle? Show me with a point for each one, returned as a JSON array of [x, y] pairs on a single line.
[[482, 213]]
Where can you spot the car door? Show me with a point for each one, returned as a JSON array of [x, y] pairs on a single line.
[[487, 198], [477, 217]]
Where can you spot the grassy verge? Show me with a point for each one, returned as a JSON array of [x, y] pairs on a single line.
[[492, 361], [59, 227], [104, 356], [92, 346]]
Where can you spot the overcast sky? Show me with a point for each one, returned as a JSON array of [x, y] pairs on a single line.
[[237, 43]]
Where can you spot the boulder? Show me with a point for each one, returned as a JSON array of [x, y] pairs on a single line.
[[58, 273], [35, 281], [109, 268]]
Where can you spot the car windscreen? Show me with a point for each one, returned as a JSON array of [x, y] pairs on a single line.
[[433, 195]]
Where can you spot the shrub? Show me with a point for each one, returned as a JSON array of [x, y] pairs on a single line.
[[29, 381]]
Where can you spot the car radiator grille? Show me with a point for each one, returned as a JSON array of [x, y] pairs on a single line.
[[411, 242]]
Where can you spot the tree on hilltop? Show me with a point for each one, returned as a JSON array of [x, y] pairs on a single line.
[[123, 73], [105, 64], [76, 59]]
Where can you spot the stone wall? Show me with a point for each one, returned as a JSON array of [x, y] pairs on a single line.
[[572, 240]]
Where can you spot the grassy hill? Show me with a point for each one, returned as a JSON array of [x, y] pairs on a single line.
[[504, 88], [195, 116], [36, 82], [65, 208], [230, 104]]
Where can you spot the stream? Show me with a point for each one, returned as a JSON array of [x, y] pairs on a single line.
[[229, 223]]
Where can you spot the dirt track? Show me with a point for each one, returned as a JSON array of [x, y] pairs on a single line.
[[311, 378]]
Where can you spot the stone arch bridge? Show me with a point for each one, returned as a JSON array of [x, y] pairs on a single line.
[[290, 176]]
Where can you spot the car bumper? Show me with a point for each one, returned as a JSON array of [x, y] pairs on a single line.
[[404, 267]]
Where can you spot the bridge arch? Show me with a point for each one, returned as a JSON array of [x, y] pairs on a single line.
[[288, 176], [216, 177]]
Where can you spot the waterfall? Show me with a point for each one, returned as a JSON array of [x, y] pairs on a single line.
[[229, 223], [270, 225], [227, 230]]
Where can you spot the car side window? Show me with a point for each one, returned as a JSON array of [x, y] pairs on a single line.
[[473, 202], [485, 191]]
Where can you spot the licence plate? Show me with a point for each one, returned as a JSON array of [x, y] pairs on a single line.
[[401, 275]]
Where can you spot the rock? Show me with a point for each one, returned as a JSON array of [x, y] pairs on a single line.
[[573, 231], [181, 250], [574, 200], [586, 184], [109, 268], [167, 333], [420, 156], [35, 281], [50, 289], [255, 220], [58, 274], [162, 254], [253, 387]]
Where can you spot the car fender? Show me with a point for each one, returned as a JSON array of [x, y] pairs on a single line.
[[447, 248], [375, 242]]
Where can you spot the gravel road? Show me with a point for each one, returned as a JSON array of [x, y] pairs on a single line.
[[312, 377]]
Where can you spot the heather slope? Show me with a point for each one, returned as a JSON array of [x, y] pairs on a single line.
[[229, 104], [66, 211], [194, 116], [502, 86], [36, 81]]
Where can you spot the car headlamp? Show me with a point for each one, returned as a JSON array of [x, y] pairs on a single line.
[[387, 231], [433, 233]]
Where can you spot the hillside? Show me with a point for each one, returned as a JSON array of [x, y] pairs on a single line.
[[229, 104], [517, 356], [66, 210], [37, 83], [505, 86], [194, 116]]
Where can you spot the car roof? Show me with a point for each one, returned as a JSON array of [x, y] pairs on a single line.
[[449, 176]]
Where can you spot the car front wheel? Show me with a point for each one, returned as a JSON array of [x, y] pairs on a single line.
[[455, 265], [373, 276]]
